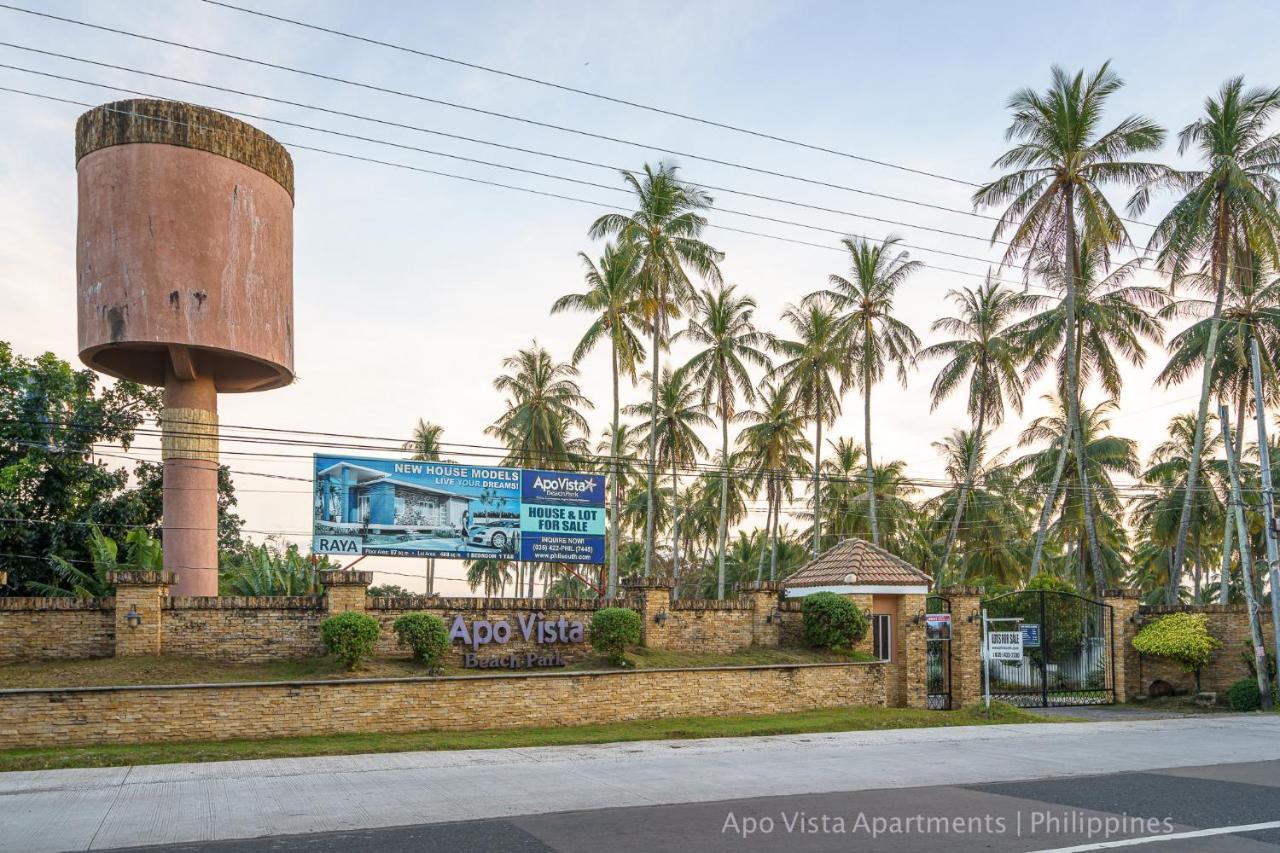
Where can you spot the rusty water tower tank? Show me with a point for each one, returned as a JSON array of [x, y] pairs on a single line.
[[184, 266]]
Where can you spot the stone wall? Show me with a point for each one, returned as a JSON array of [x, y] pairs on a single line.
[[1228, 624], [243, 629], [53, 628], [84, 716]]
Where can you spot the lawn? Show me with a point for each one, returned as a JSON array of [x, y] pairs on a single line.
[[826, 720], [115, 671]]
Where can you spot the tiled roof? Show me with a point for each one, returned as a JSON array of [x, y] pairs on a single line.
[[868, 563]]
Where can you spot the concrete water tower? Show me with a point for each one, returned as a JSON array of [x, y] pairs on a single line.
[[184, 266]]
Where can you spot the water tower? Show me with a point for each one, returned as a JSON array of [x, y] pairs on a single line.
[[184, 266]]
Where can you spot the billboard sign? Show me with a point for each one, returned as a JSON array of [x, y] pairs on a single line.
[[395, 508]]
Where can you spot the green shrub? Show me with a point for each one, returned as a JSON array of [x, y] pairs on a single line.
[[1245, 696], [612, 630], [425, 634], [350, 637], [832, 621], [1180, 637]]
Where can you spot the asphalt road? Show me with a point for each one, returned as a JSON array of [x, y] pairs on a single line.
[[1005, 816], [1019, 787]]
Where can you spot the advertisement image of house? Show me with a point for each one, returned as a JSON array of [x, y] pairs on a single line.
[[350, 496]]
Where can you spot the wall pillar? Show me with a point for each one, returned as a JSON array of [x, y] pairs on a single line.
[[909, 641], [766, 625], [139, 606], [966, 644], [1124, 625], [345, 590], [652, 598]]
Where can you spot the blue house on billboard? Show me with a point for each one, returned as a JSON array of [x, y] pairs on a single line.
[[352, 496]]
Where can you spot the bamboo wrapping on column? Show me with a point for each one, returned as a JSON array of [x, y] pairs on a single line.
[[188, 434]]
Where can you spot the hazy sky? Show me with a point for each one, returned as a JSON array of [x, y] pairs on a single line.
[[410, 289]]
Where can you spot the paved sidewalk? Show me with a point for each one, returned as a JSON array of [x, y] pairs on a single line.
[[55, 810]]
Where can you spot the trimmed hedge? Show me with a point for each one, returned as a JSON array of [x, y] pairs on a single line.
[[350, 637], [425, 634], [612, 630], [1244, 695], [831, 621], [1180, 637]]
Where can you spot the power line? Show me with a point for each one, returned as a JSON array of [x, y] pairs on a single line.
[[611, 99]]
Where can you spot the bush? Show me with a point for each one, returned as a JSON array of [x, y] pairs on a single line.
[[350, 637], [425, 634], [612, 630], [832, 621], [1180, 637], [1245, 696]]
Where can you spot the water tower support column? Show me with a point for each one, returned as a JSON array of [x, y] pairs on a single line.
[[189, 448]]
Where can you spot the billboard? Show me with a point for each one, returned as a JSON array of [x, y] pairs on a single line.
[[394, 508]]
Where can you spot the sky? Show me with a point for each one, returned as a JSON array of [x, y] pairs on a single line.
[[411, 288]]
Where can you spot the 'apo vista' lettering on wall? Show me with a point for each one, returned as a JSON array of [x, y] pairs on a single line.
[[532, 627]]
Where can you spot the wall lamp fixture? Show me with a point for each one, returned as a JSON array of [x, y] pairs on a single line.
[[133, 617], [661, 617]]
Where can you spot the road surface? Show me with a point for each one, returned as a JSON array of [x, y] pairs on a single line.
[[1199, 783]]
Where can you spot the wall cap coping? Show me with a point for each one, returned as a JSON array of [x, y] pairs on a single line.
[[346, 577], [961, 590], [15, 604], [1165, 609], [135, 577], [760, 586], [474, 604], [1121, 593], [655, 582], [413, 679]]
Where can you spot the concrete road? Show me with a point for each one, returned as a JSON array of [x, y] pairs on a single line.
[[1010, 787]]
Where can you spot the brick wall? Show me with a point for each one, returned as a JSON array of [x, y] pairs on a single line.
[[1229, 624], [243, 629], [153, 714], [53, 628]]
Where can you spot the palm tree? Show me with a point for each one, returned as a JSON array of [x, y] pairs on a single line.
[[666, 234], [843, 487], [1234, 194], [1158, 513], [493, 575], [721, 323], [873, 337], [424, 446], [773, 447], [812, 363], [543, 425], [982, 351], [612, 298], [672, 431], [1059, 163], [1104, 455]]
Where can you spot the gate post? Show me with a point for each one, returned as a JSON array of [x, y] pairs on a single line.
[[966, 645], [1124, 604]]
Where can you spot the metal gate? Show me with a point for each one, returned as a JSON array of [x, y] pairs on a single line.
[[1067, 650], [938, 656]]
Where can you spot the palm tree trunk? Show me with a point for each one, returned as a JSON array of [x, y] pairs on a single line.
[[777, 511], [764, 534], [611, 581], [1073, 396], [817, 490], [1050, 497], [866, 441], [970, 466], [653, 442], [1206, 381], [724, 490], [1224, 575], [675, 521]]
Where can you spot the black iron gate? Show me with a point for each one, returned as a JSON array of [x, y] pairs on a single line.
[[1067, 650], [938, 655]]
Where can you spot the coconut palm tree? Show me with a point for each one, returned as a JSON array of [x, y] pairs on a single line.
[[721, 323], [613, 299], [843, 485], [543, 425], [672, 430], [773, 450], [813, 367], [1233, 196], [1158, 513], [424, 446], [1104, 455], [493, 575], [666, 233], [893, 492], [872, 336], [982, 352], [1052, 198]]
